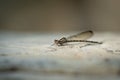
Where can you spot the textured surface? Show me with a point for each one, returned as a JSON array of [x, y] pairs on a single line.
[[28, 56]]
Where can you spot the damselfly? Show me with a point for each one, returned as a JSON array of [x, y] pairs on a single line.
[[80, 37]]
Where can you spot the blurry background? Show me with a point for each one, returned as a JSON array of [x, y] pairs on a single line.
[[60, 15]]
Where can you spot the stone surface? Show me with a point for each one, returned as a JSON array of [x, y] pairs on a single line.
[[30, 56]]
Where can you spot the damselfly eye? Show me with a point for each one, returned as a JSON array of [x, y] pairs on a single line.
[[56, 41]]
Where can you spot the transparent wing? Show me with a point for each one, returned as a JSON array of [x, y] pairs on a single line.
[[81, 36]]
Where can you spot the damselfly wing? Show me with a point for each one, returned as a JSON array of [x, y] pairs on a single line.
[[81, 36]]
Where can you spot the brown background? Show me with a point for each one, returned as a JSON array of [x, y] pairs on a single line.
[[60, 15]]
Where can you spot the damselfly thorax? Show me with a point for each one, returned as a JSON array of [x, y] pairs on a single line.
[[80, 37]]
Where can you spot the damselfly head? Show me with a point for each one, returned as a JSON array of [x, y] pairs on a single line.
[[56, 41], [61, 41]]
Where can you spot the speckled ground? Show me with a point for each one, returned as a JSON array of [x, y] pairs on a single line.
[[30, 56]]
